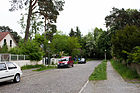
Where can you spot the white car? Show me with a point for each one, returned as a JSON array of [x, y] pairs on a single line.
[[10, 71]]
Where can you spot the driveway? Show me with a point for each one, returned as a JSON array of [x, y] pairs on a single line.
[[63, 80]]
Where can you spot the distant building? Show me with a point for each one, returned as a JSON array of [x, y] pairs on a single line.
[[7, 38]]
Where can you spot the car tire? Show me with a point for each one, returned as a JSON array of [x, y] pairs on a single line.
[[17, 78], [72, 65]]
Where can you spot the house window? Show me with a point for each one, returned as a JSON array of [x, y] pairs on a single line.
[[10, 43], [4, 41]]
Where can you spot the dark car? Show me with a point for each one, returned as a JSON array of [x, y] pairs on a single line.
[[82, 60]]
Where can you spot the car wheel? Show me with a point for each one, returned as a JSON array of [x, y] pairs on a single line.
[[17, 78], [72, 65]]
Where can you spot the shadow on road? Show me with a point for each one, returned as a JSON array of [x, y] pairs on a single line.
[[6, 83]]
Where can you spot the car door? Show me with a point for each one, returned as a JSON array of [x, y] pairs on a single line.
[[12, 68], [4, 74]]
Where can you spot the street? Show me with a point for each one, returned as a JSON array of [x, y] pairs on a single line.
[[63, 80]]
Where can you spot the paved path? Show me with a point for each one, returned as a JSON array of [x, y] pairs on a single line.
[[63, 80], [113, 84]]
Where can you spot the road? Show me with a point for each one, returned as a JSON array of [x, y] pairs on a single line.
[[64, 80]]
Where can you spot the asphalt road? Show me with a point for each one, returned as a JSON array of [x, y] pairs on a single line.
[[63, 80]]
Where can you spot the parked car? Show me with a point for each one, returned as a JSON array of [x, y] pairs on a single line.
[[82, 60], [10, 71], [65, 62]]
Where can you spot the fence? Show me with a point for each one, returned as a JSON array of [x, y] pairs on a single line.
[[12, 57]]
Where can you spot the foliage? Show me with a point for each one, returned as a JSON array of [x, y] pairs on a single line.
[[65, 44], [97, 42], [124, 71], [36, 24], [99, 72], [126, 40], [119, 18], [134, 56], [72, 33], [19, 4], [4, 49], [50, 14], [73, 47], [30, 48]]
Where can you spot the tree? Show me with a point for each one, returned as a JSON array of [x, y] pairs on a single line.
[[72, 33], [78, 32], [36, 25], [8, 29], [66, 45], [31, 48], [49, 9], [73, 46], [18, 4], [89, 46], [59, 44], [125, 40], [119, 18]]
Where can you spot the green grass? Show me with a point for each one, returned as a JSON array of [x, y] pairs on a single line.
[[39, 67], [99, 72], [124, 71], [31, 66], [46, 68]]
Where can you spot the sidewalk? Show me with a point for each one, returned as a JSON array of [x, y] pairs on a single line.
[[113, 84]]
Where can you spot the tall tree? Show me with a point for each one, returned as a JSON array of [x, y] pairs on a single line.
[[119, 18], [72, 33], [125, 39], [78, 32], [50, 9], [18, 4]]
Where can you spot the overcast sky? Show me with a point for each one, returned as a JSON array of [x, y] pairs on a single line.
[[86, 14]]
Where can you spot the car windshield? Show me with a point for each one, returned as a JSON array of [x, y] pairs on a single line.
[[64, 59]]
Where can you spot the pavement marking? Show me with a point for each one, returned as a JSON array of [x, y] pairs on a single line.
[[83, 87]]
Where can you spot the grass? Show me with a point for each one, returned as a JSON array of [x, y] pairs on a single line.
[[124, 71], [31, 66], [39, 67], [46, 68], [99, 72]]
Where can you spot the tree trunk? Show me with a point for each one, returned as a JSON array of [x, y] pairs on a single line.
[[28, 22], [45, 28]]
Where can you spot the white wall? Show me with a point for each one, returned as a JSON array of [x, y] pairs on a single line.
[[26, 62], [8, 38]]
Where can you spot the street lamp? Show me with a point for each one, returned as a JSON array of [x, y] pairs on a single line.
[[105, 54]]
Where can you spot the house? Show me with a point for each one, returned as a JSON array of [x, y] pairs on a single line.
[[6, 38]]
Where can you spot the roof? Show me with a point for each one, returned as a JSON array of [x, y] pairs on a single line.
[[3, 34]]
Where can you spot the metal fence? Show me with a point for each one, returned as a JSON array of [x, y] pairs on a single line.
[[13, 57]]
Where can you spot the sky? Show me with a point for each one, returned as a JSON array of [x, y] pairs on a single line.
[[86, 14]]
